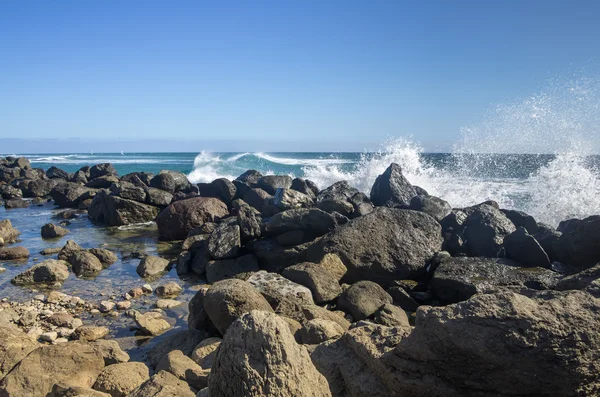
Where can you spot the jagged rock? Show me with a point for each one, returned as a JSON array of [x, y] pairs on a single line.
[[170, 181], [9, 192], [227, 300], [402, 298], [276, 288], [391, 188], [128, 191], [224, 189], [85, 264], [578, 245], [457, 279], [224, 242], [204, 354], [48, 271], [72, 363], [67, 194], [117, 211], [270, 183], [324, 286], [547, 237], [286, 371], [524, 248], [228, 268], [383, 245], [13, 253], [141, 179], [305, 186], [163, 384], [50, 230], [99, 170], [286, 199], [39, 187], [310, 220], [184, 368], [121, 379], [434, 206], [340, 190], [151, 266], [318, 331], [175, 221], [249, 177], [521, 219], [485, 229], [249, 222], [69, 249], [362, 299]]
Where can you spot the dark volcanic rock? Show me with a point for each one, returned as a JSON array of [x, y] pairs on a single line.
[[270, 183], [116, 211], [338, 191], [457, 279], [548, 237], [274, 258], [257, 198], [39, 187], [322, 283], [391, 188], [170, 181], [249, 221], [521, 219], [485, 229], [579, 245], [229, 268], [224, 242], [175, 221], [16, 203], [434, 206], [579, 280], [101, 170], [67, 194], [384, 245], [50, 230], [286, 199], [305, 186], [249, 177], [55, 172], [102, 182], [310, 220], [524, 248], [157, 197], [362, 299]]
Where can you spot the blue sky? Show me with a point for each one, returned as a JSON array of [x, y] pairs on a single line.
[[310, 74]]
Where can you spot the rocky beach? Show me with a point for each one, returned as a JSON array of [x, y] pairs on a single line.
[[148, 284]]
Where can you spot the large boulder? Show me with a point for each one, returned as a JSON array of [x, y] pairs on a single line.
[[184, 368], [157, 197], [117, 211], [322, 283], [276, 288], [39, 187], [50, 230], [151, 266], [249, 221], [383, 245], [524, 248], [544, 345], [457, 279], [362, 299], [175, 221], [101, 170], [224, 242], [74, 364], [392, 189], [171, 181], [163, 384], [242, 369], [434, 206], [121, 379], [310, 220], [15, 345], [270, 183], [198, 318], [48, 271], [13, 253], [67, 194], [227, 300], [228, 268], [579, 245], [485, 229], [85, 264], [287, 199]]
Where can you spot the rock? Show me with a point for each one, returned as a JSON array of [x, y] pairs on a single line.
[[362, 299], [49, 337], [128, 191], [105, 256], [102, 170], [9, 192], [224, 189], [39, 187], [270, 183], [110, 351], [106, 306], [13, 253], [85, 264], [48, 271], [165, 304], [485, 229], [16, 203], [14, 347], [383, 245], [340, 206], [121, 379], [224, 242], [249, 222], [163, 384], [547, 237], [169, 289], [182, 265], [141, 179], [7, 232], [324, 286], [67, 194], [578, 245], [157, 197], [294, 237], [391, 188], [90, 333], [524, 248], [257, 198], [579, 280], [185, 341], [287, 371], [521, 219], [50, 230], [72, 363], [287, 199], [227, 300], [334, 265], [457, 279], [274, 258], [305, 186], [184, 368], [171, 181], [64, 390], [102, 182], [198, 318], [151, 266], [318, 331], [69, 249], [275, 288], [21, 162], [434, 206], [81, 176], [149, 325], [229, 268], [391, 316], [62, 319], [310, 220], [175, 221], [118, 211], [402, 298], [204, 354]]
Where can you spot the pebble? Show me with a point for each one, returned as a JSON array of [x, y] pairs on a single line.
[[46, 312], [95, 311], [136, 292], [124, 305], [127, 296], [147, 288]]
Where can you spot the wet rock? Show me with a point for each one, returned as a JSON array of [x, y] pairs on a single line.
[[485, 229], [276, 288], [457, 279], [229, 268], [318, 331], [14, 346], [169, 289], [90, 333], [305, 186], [163, 384], [391, 188], [383, 245], [151, 266], [524, 248], [119, 380], [290, 370], [184, 368], [13, 253], [324, 286], [72, 363], [50, 230], [270, 183], [224, 242], [227, 300], [175, 221], [9, 192], [170, 181], [48, 271], [69, 249], [286, 199], [106, 306], [204, 354], [362, 299], [85, 264], [39, 187], [150, 325], [547, 237]]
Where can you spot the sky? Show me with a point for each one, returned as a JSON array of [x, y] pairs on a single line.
[[286, 75]]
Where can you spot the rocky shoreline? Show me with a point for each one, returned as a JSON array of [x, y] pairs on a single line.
[[299, 291]]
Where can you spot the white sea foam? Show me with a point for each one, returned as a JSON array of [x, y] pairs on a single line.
[[301, 161]]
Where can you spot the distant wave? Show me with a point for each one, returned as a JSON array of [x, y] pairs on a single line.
[[299, 161]]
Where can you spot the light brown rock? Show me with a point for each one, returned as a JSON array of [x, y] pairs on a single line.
[[119, 380]]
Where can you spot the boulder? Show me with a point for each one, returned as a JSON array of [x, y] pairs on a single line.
[[342, 207], [547, 237], [305, 186], [39, 187], [157, 197], [50, 230], [85, 264], [383, 245], [274, 258], [223, 190], [110, 351], [101, 170], [270, 183], [175, 221], [249, 177], [402, 298], [434, 206], [485, 229], [7, 232], [64, 390], [287, 199], [163, 384], [169, 289], [15, 345], [151, 266], [9, 192], [69, 249], [227, 300], [391, 188], [340, 190], [229, 268], [224, 242], [457, 279], [119, 380], [541, 346], [105, 256], [184, 368], [310, 220], [16, 203], [204, 354], [391, 316], [150, 324], [48, 271], [521, 219], [67, 194], [198, 318], [141, 179], [74, 364], [171, 181], [362, 299], [318, 331], [185, 341], [258, 199], [102, 182], [13, 253], [524, 248], [579, 245], [118, 211], [579, 280], [275, 288], [90, 333], [249, 222], [242, 369], [324, 286], [128, 191]]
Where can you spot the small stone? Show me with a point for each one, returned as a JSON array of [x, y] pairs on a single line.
[[95, 311], [39, 297], [168, 290], [48, 336], [106, 306], [60, 340], [124, 305], [136, 292], [90, 333], [167, 303], [127, 296], [147, 288]]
